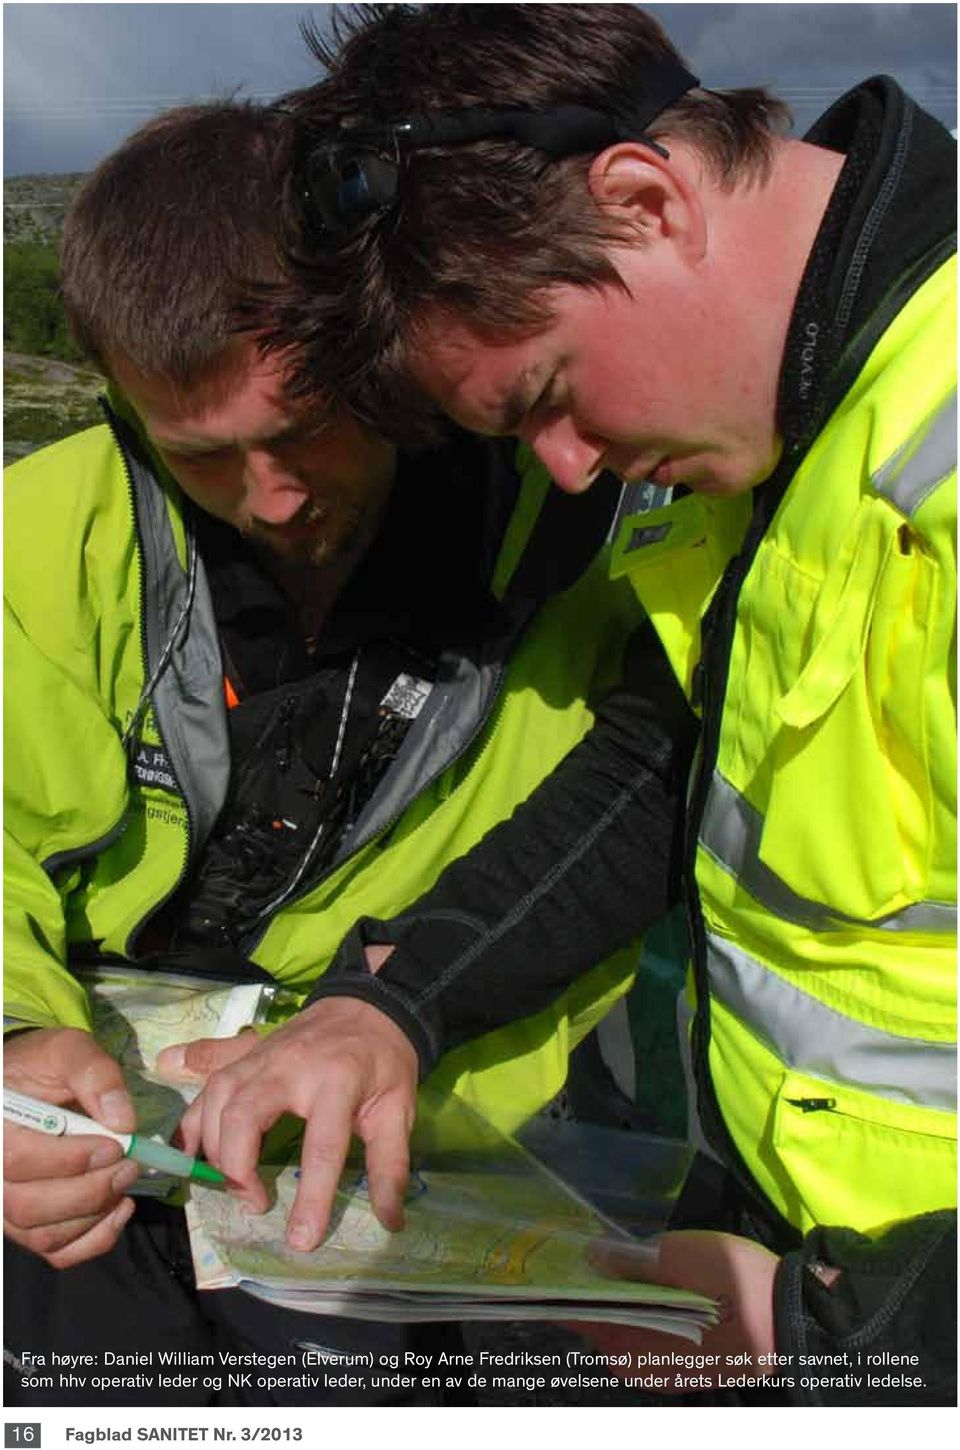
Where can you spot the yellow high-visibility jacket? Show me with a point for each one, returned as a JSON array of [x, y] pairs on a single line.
[[825, 860]]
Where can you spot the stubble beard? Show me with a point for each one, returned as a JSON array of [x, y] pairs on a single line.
[[325, 537]]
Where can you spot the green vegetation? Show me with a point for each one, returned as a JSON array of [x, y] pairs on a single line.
[[33, 317], [46, 395], [48, 391]]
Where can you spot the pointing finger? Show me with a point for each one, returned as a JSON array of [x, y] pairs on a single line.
[[325, 1148]]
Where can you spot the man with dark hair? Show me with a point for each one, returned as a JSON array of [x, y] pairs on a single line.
[[486, 229], [265, 674], [553, 230]]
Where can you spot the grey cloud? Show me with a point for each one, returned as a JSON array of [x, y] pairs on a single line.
[[814, 52], [79, 77], [817, 35]]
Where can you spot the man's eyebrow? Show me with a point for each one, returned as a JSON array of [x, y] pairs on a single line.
[[515, 406], [293, 430], [189, 445]]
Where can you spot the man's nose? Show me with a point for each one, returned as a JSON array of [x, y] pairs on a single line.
[[274, 493], [573, 458]]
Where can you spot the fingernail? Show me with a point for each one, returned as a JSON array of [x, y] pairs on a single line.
[[115, 1111], [123, 1212], [125, 1175], [300, 1236], [106, 1151], [172, 1059]]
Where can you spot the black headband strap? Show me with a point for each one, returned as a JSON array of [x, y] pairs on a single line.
[[353, 174], [556, 130]]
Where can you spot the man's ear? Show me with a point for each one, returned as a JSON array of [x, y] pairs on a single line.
[[651, 193]]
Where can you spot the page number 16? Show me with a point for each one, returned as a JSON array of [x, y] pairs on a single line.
[[15, 1435]]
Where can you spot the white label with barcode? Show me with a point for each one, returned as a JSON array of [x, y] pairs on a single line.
[[406, 696]]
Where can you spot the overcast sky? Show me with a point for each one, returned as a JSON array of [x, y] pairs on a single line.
[[78, 78]]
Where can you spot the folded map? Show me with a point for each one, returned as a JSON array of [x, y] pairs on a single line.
[[490, 1233]]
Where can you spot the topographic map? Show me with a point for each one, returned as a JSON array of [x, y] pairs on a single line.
[[489, 1233]]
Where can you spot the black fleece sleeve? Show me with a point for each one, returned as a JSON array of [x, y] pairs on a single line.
[[885, 1307], [588, 862]]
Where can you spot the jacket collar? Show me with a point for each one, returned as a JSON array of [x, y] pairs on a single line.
[[893, 205]]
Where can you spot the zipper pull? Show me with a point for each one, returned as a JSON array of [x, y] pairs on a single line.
[[813, 1105]]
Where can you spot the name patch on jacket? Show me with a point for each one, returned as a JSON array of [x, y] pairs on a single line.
[[150, 766]]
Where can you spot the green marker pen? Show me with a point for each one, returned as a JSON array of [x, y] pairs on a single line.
[[151, 1152]]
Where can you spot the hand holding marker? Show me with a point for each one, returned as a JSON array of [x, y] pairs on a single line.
[[151, 1152]]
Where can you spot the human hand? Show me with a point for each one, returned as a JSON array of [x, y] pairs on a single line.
[[341, 1065], [64, 1198], [736, 1272]]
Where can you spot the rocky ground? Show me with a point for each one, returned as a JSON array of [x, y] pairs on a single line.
[[45, 399], [34, 206]]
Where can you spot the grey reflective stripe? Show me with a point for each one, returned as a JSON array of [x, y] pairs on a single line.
[[188, 699], [642, 497], [920, 464], [813, 1038], [730, 833]]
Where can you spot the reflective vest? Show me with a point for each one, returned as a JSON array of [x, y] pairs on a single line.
[[825, 862]]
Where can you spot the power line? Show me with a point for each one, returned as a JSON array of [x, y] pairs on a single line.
[[116, 107], [125, 105]]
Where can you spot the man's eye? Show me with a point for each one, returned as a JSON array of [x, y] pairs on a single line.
[[194, 460], [546, 401]]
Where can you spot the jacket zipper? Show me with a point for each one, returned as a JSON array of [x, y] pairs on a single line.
[[135, 931], [712, 677]]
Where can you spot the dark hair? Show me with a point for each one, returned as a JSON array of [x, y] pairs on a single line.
[[162, 238], [480, 230]]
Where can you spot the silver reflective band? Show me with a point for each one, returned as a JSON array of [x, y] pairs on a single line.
[[810, 1037], [730, 833], [920, 465]]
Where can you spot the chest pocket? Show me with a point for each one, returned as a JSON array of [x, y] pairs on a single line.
[[847, 815]]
